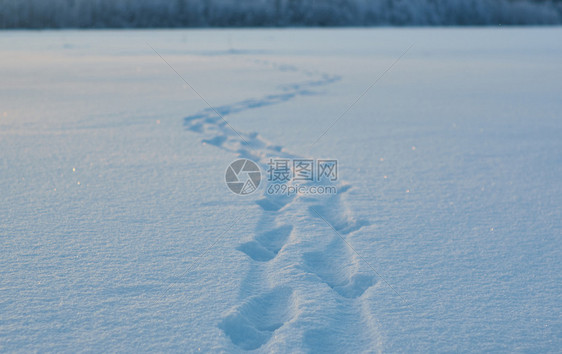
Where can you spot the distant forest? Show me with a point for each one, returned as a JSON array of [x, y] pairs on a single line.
[[274, 13]]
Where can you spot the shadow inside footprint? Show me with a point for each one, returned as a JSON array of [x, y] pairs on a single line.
[[337, 218], [256, 251], [252, 324], [274, 202], [332, 272], [268, 244], [217, 140], [196, 127], [356, 286]]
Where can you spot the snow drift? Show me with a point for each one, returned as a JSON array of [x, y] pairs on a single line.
[[203, 13]]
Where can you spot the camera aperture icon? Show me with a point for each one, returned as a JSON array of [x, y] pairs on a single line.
[[243, 176]]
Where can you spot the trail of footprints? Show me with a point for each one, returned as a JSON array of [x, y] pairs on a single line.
[[251, 324]]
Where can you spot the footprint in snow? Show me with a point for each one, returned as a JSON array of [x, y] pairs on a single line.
[[338, 275], [252, 324], [266, 245]]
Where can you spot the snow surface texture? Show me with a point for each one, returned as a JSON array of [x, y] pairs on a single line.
[[187, 13], [118, 232]]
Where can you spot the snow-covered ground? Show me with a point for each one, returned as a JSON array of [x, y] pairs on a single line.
[[118, 232]]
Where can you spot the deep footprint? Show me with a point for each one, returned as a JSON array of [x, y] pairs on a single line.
[[267, 245], [330, 210], [333, 273], [274, 202], [252, 324], [338, 219]]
